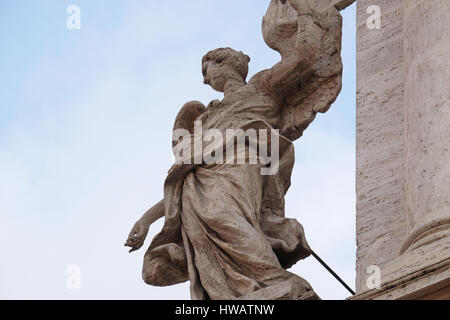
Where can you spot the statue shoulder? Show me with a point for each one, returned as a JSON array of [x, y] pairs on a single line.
[[258, 80]]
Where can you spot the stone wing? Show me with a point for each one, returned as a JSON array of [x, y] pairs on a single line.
[[186, 117], [318, 92]]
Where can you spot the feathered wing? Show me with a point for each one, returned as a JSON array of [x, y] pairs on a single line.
[[320, 90], [187, 115]]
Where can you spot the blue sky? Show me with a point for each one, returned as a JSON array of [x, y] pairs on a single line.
[[85, 138]]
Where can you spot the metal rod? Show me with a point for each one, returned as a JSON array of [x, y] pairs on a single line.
[[332, 272]]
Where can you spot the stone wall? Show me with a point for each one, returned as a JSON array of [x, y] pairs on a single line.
[[403, 142], [380, 127]]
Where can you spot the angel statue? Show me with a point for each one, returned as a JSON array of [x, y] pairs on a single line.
[[225, 228]]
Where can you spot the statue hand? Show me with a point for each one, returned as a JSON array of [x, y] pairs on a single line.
[[137, 235]]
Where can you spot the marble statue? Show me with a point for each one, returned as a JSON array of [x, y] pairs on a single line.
[[225, 228]]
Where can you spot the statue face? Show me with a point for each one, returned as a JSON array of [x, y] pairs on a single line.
[[216, 75]]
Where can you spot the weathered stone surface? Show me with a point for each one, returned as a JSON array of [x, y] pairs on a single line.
[[338, 4], [324, 84], [427, 92], [380, 135], [225, 229], [403, 143]]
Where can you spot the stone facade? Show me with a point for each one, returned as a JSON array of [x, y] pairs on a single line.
[[403, 143]]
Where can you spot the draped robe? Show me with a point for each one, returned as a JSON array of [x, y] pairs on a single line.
[[225, 229]]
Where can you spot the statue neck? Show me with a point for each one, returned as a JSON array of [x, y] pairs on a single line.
[[232, 85]]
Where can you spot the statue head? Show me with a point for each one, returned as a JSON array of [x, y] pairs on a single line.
[[221, 65]]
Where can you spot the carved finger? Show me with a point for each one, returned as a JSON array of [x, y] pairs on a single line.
[[128, 244], [136, 246]]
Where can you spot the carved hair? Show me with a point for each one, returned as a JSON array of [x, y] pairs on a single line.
[[230, 57]]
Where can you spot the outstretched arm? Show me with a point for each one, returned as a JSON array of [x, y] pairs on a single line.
[[154, 213], [185, 121], [140, 229], [299, 50]]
